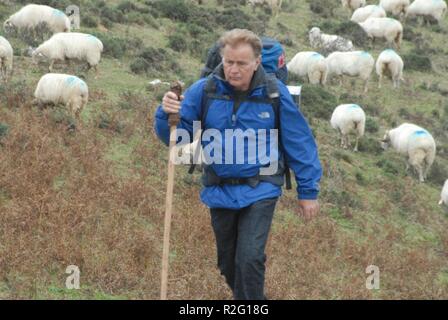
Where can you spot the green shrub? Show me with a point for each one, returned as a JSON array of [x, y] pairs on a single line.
[[89, 21], [371, 125], [370, 145], [437, 174], [323, 8], [177, 42], [417, 62], [317, 102], [389, 166], [139, 66], [4, 128]]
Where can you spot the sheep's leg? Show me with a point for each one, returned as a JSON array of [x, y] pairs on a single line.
[[342, 141], [96, 71], [356, 145], [50, 68], [341, 80], [366, 86], [379, 81]]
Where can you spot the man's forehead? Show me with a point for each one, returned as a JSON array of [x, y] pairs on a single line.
[[241, 50]]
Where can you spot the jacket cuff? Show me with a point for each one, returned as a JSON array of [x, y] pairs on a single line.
[[160, 114], [308, 194]]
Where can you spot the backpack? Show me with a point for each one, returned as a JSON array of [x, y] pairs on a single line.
[[272, 55]]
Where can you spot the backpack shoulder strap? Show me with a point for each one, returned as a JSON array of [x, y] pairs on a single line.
[[273, 92], [209, 91]]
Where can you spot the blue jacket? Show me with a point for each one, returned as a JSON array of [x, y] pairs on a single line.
[[298, 142]]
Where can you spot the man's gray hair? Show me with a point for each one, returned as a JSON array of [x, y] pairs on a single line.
[[235, 37]]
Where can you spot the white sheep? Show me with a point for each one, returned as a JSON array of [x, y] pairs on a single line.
[[433, 8], [68, 46], [387, 28], [6, 58], [355, 64], [362, 14], [30, 16], [444, 194], [396, 7], [275, 5], [353, 4], [391, 64], [62, 89], [414, 142], [327, 42], [309, 64], [349, 118]]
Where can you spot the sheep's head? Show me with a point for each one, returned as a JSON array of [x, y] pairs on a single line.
[[385, 142], [314, 37], [8, 26], [37, 56]]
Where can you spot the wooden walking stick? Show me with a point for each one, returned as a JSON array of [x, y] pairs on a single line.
[[173, 120]]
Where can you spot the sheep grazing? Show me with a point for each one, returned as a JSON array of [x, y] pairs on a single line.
[[355, 64], [6, 58], [414, 142], [396, 7], [444, 194], [33, 15], [390, 63], [328, 43], [436, 9], [275, 5], [348, 118], [70, 46], [387, 28], [64, 89], [353, 4], [370, 11], [309, 64]]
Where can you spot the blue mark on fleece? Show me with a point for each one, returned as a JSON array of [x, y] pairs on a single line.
[[364, 54], [316, 56], [419, 133], [58, 13], [92, 38], [355, 106], [72, 81]]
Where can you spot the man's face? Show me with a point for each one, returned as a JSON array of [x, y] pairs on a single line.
[[240, 64]]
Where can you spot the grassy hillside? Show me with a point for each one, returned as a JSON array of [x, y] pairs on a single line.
[[95, 198]]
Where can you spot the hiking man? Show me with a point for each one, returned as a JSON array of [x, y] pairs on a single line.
[[242, 199]]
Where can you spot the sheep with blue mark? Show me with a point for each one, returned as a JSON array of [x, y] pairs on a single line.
[[311, 65], [370, 11], [32, 15], [70, 46], [389, 63], [348, 118], [387, 28], [55, 88], [396, 7], [354, 64], [414, 142], [435, 9], [6, 59], [353, 4], [444, 194]]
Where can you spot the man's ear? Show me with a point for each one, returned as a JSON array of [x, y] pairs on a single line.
[[258, 62]]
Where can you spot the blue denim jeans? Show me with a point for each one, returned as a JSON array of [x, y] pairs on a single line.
[[241, 237]]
